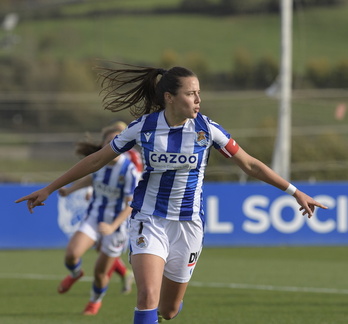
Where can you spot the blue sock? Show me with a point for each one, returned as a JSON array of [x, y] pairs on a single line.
[[147, 316], [97, 294], [75, 269]]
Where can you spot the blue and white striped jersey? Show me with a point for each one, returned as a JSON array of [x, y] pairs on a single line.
[[111, 185], [174, 159]]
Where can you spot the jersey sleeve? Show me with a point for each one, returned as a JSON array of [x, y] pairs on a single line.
[[124, 141], [222, 140]]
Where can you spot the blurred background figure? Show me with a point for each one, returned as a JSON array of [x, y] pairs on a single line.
[[8, 25], [104, 225]]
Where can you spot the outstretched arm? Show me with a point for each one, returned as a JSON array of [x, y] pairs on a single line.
[[261, 171], [78, 184], [89, 164]]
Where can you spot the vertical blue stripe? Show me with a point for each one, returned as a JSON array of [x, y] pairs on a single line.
[[174, 140], [101, 208], [167, 180], [120, 186], [134, 184], [147, 138], [192, 180], [90, 206], [148, 133]]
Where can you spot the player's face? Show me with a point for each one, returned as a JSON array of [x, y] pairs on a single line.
[[186, 101]]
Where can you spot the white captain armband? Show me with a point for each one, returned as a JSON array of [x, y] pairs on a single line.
[[291, 189], [230, 149]]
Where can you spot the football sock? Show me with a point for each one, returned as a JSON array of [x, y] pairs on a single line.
[[75, 269], [146, 316], [97, 294]]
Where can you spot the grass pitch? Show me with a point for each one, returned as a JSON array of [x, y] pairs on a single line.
[[273, 285]]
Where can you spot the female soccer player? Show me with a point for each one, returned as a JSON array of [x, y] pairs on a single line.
[[166, 225], [133, 155], [105, 222]]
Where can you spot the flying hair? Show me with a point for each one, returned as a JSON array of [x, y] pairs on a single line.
[[139, 89]]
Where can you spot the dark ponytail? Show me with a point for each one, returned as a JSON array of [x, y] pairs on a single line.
[[140, 89]]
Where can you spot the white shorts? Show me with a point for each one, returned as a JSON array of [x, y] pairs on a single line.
[[178, 243], [112, 245]]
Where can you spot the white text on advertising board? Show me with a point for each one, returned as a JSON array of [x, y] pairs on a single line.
[[260, 213]]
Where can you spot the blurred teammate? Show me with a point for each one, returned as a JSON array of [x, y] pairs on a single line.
[[118, 265], [167, 222], [105, 223]]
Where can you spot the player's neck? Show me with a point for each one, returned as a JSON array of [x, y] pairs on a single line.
[[174, 121]]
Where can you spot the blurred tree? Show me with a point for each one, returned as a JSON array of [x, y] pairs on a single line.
[[15, 73], [340, 74], [265, 72], [169, 58], [318, 72], [198, 63], [243, 69]]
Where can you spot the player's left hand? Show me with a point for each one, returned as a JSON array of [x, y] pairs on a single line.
[[307, 203]]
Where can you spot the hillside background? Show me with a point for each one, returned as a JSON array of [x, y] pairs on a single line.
[[49, 94]]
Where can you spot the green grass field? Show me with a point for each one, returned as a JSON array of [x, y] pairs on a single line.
[[274, 285]]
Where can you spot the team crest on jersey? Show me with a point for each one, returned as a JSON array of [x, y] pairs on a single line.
[[201, 138], [141, 241]]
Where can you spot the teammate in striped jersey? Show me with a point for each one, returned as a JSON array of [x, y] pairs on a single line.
[[118, 265], [106, 222], [166, 227]]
